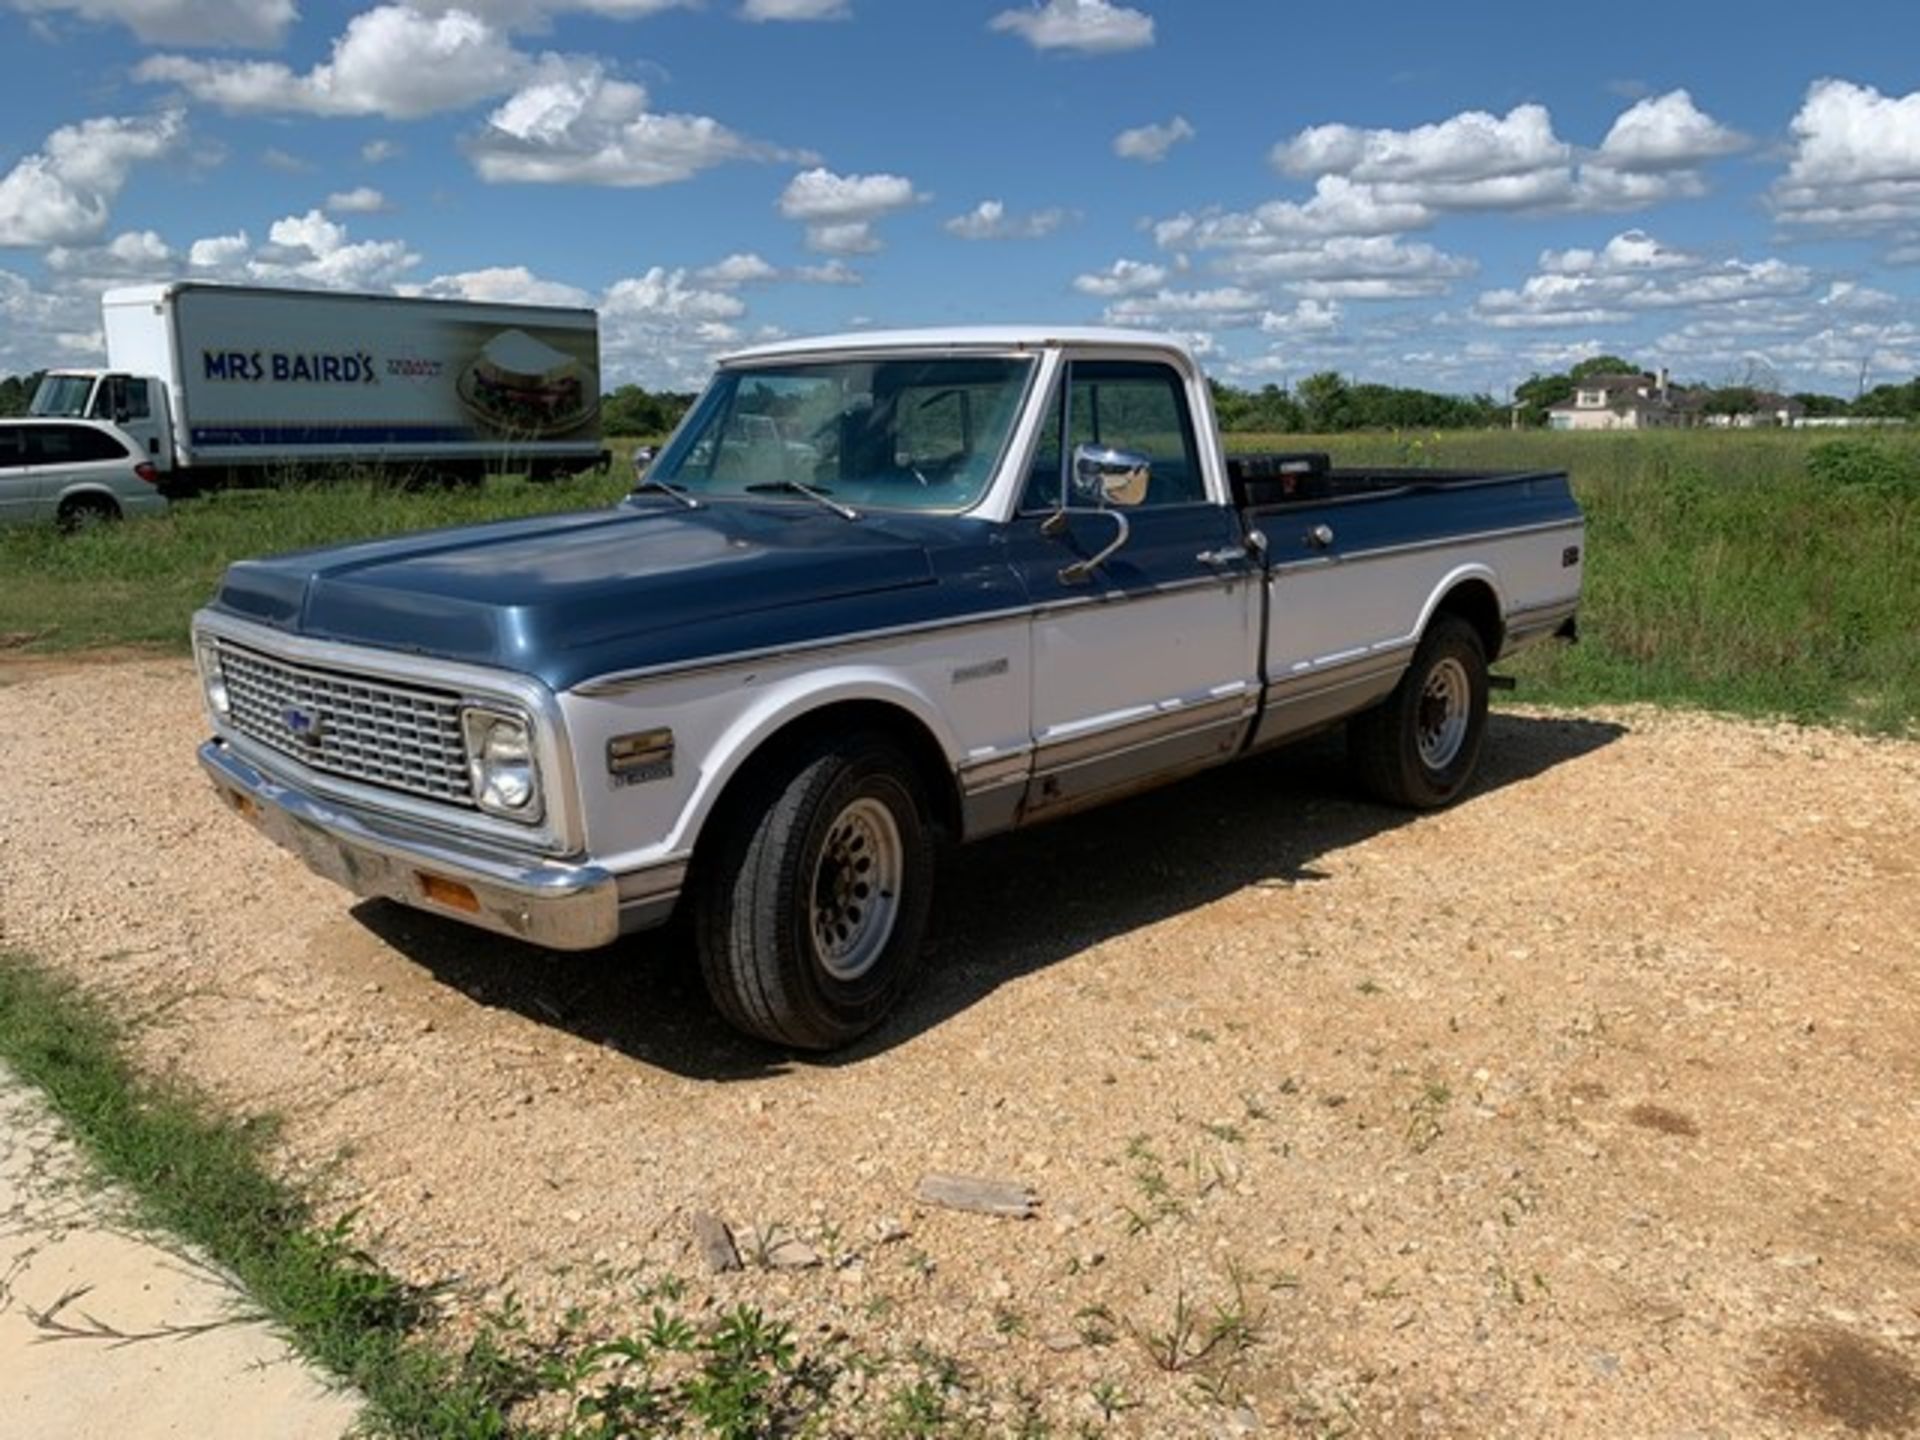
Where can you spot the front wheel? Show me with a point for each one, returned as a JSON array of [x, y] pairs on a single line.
[[811, 906], [1420, 746]]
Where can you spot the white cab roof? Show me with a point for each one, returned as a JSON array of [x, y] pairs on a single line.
[[965, 337]]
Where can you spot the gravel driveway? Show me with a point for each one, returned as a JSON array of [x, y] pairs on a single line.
[[1588, 1108]]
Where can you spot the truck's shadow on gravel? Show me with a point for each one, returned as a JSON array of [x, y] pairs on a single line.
[[1005, 908]]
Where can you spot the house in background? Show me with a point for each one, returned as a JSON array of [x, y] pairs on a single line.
[[1617, 402], [1740, 408], [1652, 402]]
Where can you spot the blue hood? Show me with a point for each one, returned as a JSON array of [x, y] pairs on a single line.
[[570, 596]]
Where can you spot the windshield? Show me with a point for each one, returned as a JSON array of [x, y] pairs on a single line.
[[62, 395], [919, 434]]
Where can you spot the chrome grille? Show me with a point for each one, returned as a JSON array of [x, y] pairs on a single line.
[[350, 725]]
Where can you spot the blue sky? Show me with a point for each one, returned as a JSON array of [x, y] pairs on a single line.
[[1451, 196]]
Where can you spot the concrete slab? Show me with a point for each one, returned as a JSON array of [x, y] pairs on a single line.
[[107, 1332]]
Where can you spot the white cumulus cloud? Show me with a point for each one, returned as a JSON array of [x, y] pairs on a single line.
[[761, 10], [303, 250], [663, 327], [990, 220], [132, 255], [1478, 161], [1855, 163], [1224, 307], [839, 211], [1092, 27], [749, 268], [361, 200], [1473, 145], [391, 60], [1307, 317], [578, 125], [1123, 277], [1149, 144], [501, 285], [1628, 251], [1665, 132], [62, 193], [1580, 288]]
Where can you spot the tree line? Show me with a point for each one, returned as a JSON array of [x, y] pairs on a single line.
[[1322, 404], [1328, 403], [16, 392]]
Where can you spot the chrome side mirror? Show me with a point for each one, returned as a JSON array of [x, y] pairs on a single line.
[[1104, 476]]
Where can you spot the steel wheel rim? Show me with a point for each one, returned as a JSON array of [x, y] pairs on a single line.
[[1446, 704], [855, 896]]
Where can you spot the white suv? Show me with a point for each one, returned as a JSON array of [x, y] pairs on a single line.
[[73, 472]]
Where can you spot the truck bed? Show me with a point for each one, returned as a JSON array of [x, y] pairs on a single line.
[[1268, 481]]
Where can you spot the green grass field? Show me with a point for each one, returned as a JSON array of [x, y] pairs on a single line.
[[1759, 572]]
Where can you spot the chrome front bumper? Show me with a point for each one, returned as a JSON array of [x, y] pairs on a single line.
[[561, 905]]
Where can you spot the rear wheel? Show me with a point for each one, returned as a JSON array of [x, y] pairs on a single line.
[[1421, 745], [810, 908], [83, 512]]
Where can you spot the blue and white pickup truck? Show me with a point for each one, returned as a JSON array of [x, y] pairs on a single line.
[[879, 591]]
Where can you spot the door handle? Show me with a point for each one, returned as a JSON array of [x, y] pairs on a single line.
[[1320, 536], [1226, 555]]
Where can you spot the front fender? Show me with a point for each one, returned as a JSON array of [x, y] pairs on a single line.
[[724, 717]]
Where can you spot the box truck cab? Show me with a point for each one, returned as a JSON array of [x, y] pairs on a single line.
[[135, 403], [218, 383]]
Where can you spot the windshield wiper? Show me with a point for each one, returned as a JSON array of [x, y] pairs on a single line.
[[648, 482], [819, 497]]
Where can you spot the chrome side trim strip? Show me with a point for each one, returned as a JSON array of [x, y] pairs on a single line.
[[1062, 755], [992, 771], [1306, 683], [1550, 613], [1415, 546]]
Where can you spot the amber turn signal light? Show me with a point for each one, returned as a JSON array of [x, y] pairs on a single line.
[[450, 893]]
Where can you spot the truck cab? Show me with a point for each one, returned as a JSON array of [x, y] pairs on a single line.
[[137, 404]]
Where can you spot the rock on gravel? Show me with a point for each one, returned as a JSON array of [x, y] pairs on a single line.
[[1517, 1119]]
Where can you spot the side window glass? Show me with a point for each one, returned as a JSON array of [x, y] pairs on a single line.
[[1131, 405], [97, 445], [1124, 405], [50, 445], [13, 448], [138, 406]]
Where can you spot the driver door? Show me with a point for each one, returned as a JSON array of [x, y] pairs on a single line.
[[1148, 666]]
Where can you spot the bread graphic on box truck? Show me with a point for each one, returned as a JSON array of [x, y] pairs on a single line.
[[522, 385]]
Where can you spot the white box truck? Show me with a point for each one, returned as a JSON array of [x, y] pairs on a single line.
[[221, 384]]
